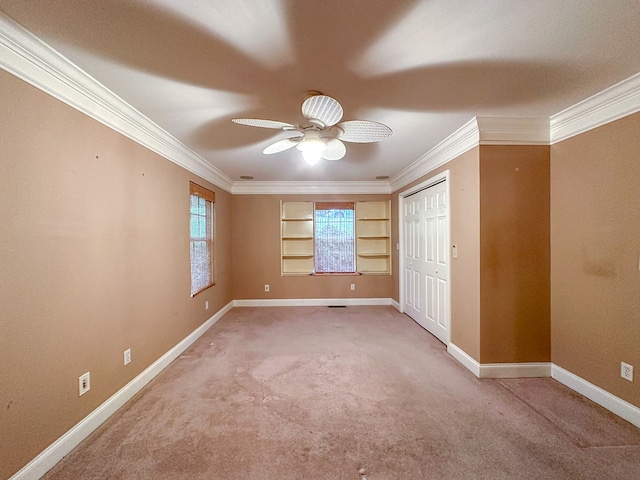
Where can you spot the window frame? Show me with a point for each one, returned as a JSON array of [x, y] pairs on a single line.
[[334, 205], [209, 239]]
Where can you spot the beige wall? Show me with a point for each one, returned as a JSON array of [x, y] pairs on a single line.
[[256, 255], [514, 254], [464, 215], [94, 251], [595, 244], [94, 256]]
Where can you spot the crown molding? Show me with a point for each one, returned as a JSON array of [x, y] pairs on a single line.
[[459, 142], [513, 130], [477, 131], [611, 104], [316, 188], [29, 58]]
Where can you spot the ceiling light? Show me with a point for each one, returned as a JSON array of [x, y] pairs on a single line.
[[312, 149]]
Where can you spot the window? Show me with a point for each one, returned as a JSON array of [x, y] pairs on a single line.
[[334, 237], [201, 238]]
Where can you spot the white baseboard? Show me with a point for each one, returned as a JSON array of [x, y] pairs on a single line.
[[396, 305], [464, 358], [499, 370], [310, 302], [515, 370], [41, 464], [614, 404]]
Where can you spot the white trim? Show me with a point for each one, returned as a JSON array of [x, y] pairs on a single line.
[[499, 370], [611, 104], [477, 131], [48, 458], [27, 57], [464, 358], [442, 176], [396, 305], [513, 130], [620, 407], [614, 404], [310, 302], [515, 370], [317, 188], [459, 142]]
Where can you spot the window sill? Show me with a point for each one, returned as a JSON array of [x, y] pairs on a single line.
[[322, 274]]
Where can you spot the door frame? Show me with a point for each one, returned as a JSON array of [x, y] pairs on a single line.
[[401, 201]]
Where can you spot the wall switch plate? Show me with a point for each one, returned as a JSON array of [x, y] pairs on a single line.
[[626, 371], [206, 305], [84, 384], [454, 251], [353, 286], [127, 356], [266, 288]]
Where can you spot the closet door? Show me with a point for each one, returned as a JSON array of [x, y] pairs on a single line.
[[426, 259]]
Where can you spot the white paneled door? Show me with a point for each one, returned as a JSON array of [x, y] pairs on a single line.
[[426, 259]]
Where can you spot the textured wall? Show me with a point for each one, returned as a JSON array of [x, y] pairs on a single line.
[[94, 249], [514, 254], [256, 254], [595, 244]]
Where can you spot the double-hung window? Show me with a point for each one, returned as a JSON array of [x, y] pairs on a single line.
[[201, 237]]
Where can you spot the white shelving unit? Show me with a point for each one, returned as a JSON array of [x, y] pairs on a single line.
[[373, 237], [296, 224]]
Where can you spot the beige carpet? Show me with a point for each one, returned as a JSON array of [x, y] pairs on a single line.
[[354, 393]]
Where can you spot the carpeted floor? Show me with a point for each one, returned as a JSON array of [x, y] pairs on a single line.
[[358, 393]]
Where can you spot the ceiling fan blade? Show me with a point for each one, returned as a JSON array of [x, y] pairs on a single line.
[[323, 108], [363, 131], [258, 122], [335, 150], [282, 145]]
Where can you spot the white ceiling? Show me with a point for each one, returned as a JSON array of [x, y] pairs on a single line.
[[424, 68]]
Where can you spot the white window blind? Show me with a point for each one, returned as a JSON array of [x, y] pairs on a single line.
[[334, 237]]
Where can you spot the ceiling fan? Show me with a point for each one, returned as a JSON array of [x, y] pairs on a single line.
[[322, 134]]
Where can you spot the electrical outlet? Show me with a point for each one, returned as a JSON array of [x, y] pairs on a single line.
[[266, 288], [626, 371], [84, 384], [206, 305], [353, 286], [127, 356]]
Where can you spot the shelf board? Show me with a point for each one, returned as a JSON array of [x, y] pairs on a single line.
[[373, 237], [373, 255], [372, 219], [299, 237], [297, 255], [374, 272], [309, 219]]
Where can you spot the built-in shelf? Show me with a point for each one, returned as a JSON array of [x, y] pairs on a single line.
[[296, 238], [373, 237]]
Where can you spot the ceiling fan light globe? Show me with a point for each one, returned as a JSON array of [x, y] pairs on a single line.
[[311, 157], [312, 149]]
